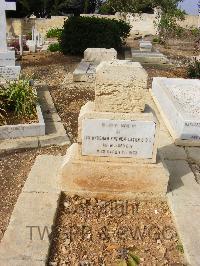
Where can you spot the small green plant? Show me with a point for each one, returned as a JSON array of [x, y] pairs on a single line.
[[180, 248], [54, 33], [128, 258], [194, 69], [19, 97], [54, 47]]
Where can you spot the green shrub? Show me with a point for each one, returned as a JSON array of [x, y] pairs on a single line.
[[54, 47], [81, 33], [54, 33], [19, 97], [194, 69]]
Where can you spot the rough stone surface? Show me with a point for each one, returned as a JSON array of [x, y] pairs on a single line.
[[178, 101], [184, 201], [100, 54], [115, 180], [120, 87]]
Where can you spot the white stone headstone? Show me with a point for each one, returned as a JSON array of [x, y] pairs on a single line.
[[21, 44], [179, 102], [3, 7], [8, 70], [118, 138]]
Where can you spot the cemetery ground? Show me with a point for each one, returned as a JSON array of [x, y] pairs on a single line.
[[56, 71]]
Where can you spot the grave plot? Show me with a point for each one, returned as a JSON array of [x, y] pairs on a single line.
[[117, 132], [90, 231], [178, 101], [146, 54], [86, 70]]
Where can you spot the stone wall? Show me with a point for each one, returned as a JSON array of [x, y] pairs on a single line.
[[142, 24]]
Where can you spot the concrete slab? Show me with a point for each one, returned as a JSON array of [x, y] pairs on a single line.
[[32, 209], [27, 238], [44, 175], [168, 150], [184, 201]]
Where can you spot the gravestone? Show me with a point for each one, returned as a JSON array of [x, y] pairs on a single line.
[[146, 46], [36, 42], [146, 54], [116, 153], [8, 70], [178, 101], [21, 44], [86, 70]]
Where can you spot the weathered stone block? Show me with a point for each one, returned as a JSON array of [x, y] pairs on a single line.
[[120, 87], [100, 54], [112, 180]]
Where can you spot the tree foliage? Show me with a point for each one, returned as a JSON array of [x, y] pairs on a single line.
[[46, 8]]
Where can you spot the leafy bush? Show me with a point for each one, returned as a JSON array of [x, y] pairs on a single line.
[[54, 33], [81, 33], [19, 97], [194, 69], [54, 47]]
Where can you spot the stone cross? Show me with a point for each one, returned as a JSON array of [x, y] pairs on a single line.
[[3, 7]]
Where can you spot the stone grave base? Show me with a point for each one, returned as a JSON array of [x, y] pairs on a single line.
[[177, 140], [85, 72], [146, 57], [112, 180]]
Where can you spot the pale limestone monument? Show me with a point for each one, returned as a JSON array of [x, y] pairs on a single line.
[[86, 70], [120, 87], [100, 54], [178, 101], [8, 70], [116, 153]]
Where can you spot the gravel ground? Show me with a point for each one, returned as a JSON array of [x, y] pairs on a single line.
[[94, 232], [56, 70]]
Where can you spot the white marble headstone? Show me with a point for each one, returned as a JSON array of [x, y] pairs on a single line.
[[179, 100], [118, 138]]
